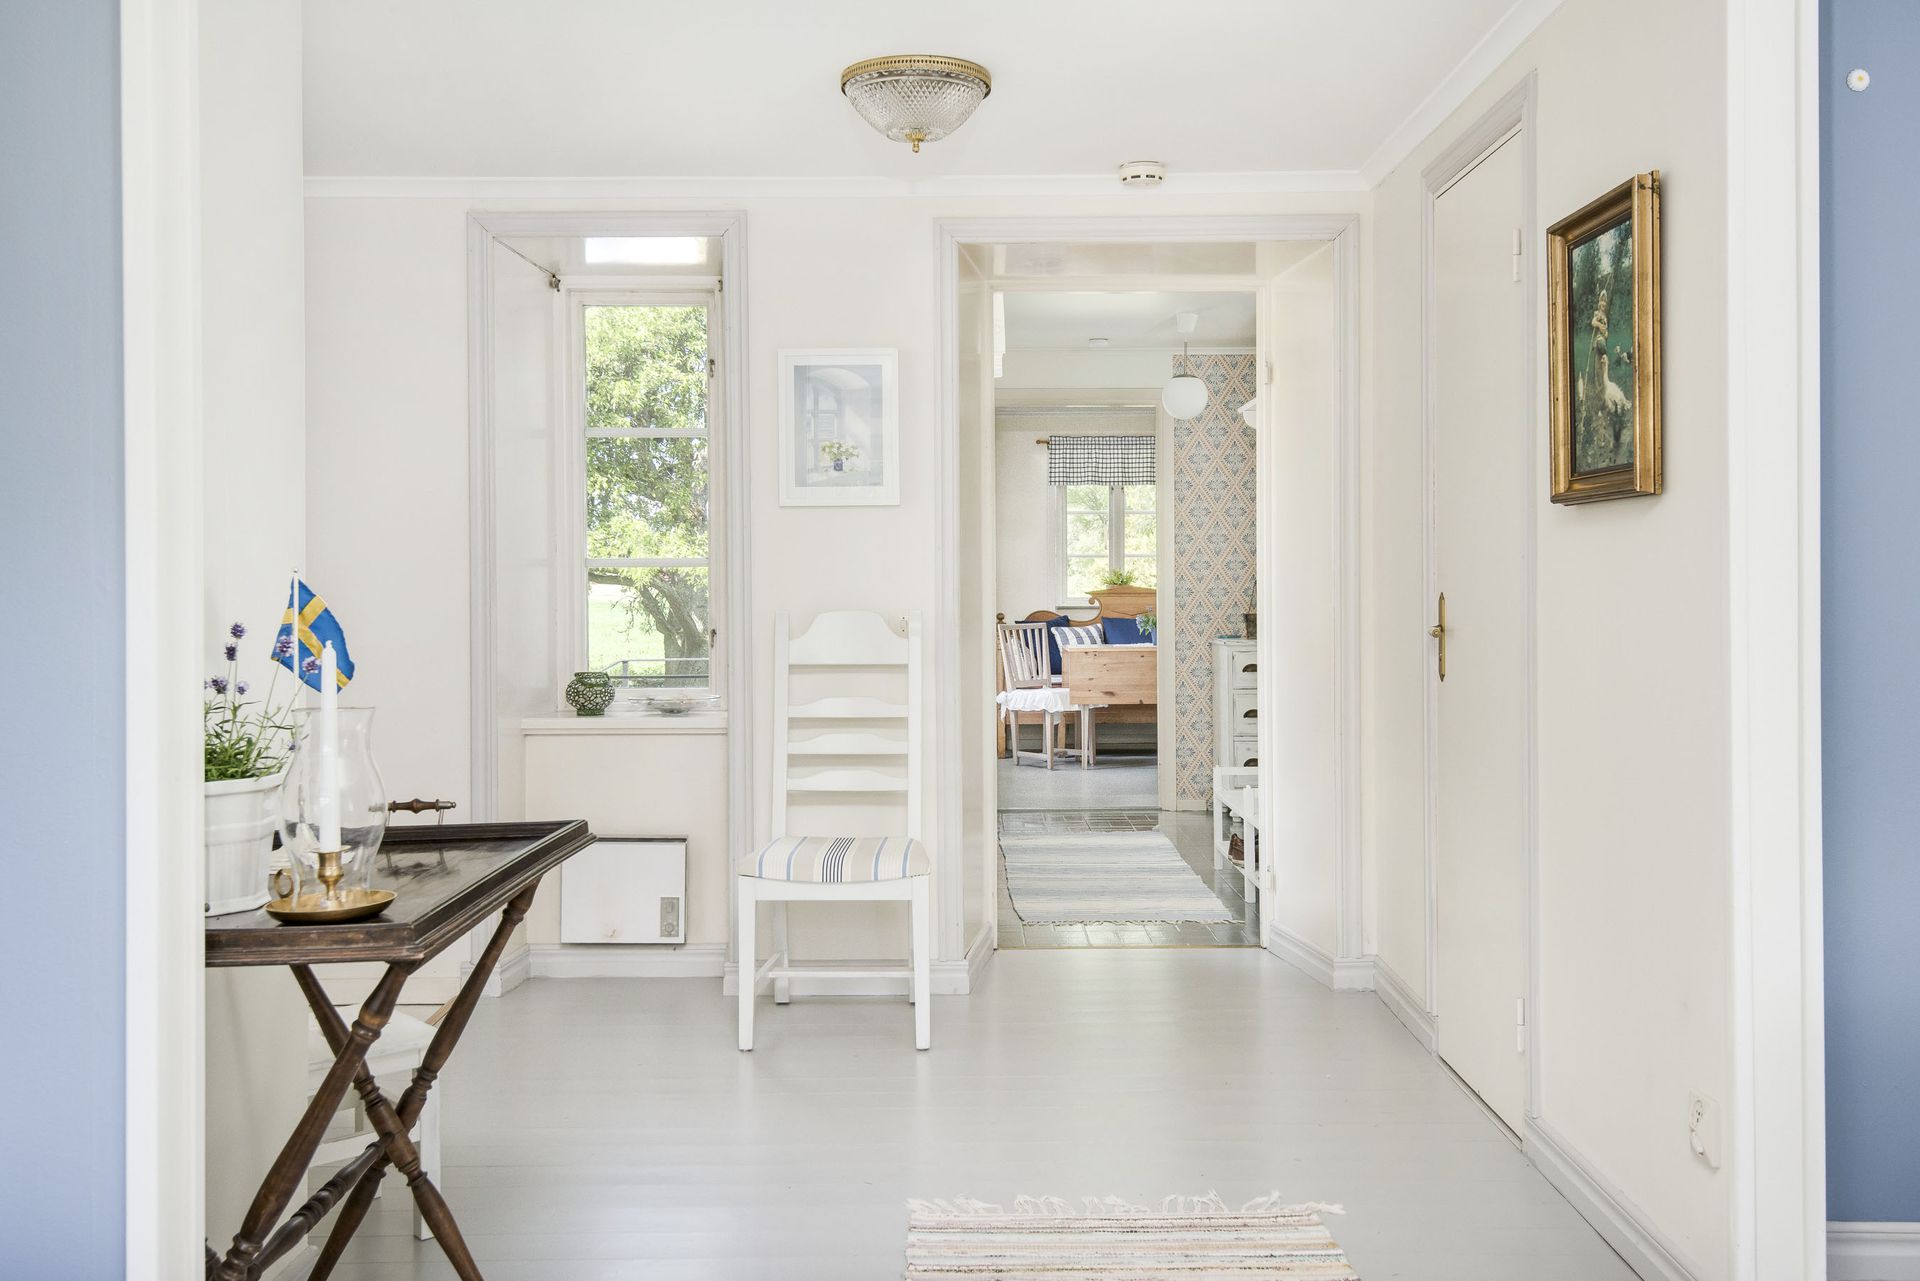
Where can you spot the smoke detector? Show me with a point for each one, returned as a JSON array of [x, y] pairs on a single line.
[[1142, 173]]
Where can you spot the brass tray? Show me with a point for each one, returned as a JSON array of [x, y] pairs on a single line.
[[313, 909]]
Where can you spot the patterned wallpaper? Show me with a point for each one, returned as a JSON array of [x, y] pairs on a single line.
[[1212, 470]]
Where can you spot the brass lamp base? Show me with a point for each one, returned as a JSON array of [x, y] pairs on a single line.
[[317, 908]]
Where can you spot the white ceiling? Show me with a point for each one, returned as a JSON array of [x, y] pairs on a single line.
[[750, 88], [1064, 321]]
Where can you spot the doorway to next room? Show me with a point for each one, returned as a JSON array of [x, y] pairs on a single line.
[[1124, 501]]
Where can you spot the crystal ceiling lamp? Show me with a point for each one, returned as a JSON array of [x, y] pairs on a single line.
[[915, 97], [1185, 396]]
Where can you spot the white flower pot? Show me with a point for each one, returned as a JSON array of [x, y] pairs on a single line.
[[240, 820]]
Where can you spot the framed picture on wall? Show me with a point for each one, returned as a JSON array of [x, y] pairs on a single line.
[[839, 428], [1603, 318]]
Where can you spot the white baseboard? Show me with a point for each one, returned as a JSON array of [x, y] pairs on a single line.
[[1342, 974], [1622, 1223], [515, 968], [635, 961], [979, 952], [1873, 1252], [1411, 1010]]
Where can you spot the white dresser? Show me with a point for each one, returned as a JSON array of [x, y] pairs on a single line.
[[1236, 704]]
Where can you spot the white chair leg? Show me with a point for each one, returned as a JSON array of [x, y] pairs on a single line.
[[1086, 738], [782, 988], [922, 965], [748, 953], [1047, 730], [428, 1140]]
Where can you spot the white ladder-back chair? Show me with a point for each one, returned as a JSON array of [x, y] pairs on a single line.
[[1032, 689], [861, 748]]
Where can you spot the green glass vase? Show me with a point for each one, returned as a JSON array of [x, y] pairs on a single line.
[[590, 693]]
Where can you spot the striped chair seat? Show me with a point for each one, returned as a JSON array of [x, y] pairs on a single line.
[[837, 860]]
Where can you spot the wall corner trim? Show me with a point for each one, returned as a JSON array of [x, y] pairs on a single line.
[[1411, 1010], [1342, 974], [1622, 1223], [1873, 1251]]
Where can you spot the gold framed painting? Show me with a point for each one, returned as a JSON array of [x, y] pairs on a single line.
[[1603, 358]]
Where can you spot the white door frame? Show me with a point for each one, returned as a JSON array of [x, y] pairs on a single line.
[[165, 1091], [1343, 232], [1777, 1123], [1513, 114]]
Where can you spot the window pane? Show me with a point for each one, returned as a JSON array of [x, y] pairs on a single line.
[[647, 628], [1087, 536], [1083, 573], [646, 496], [1141, 530], [646, 367], [1146, 571], [1087, 498], [1142, 498]]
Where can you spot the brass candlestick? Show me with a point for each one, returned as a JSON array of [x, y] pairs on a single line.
[[331, 870]]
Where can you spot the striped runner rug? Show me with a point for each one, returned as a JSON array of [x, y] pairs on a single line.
[[1062, 878], [1185, 1239]]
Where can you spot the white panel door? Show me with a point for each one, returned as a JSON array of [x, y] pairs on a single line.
[[1480, 478]]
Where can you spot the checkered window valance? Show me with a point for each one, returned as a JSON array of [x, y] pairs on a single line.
[[1100, 460]]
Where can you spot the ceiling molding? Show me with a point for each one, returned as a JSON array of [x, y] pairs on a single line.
[[349, 187], [1473, 71]]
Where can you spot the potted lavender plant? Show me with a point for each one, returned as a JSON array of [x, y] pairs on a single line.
[[246, 755]]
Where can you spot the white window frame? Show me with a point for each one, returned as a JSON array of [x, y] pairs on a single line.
[[1117, 556], [570, 472]]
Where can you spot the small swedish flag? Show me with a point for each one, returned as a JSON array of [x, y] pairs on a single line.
[[304, 628]]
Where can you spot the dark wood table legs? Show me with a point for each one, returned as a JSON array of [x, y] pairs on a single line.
[[259, 1242]]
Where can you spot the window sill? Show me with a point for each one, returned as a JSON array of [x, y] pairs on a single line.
[[712, 721]]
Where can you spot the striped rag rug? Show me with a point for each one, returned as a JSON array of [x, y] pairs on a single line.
[[1059, 878], [1185, 1239]]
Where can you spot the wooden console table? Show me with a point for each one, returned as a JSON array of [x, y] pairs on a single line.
[[448, 879]]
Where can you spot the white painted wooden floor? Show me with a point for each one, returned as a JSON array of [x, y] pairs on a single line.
[[607, 1128]]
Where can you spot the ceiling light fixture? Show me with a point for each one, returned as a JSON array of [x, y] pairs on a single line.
[[915, 97], [1185, 396]]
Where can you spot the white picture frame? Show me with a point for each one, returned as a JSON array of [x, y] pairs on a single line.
[[840, 427]]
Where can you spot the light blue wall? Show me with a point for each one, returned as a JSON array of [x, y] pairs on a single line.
[[1870, 567], [62, 729]]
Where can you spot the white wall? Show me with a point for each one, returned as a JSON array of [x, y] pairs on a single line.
[[254, 410], [387, 414], [1633, 633], [1297, 707]]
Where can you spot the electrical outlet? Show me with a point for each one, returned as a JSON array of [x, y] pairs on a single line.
[[669, 918], [1703, 1128]]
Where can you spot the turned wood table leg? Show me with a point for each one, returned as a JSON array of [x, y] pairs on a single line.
[[393, 1122], [243, 1260]]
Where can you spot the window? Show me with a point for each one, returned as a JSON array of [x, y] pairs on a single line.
[[1107, 528], [646, 496]]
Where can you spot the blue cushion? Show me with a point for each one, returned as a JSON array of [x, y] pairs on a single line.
[[1053, 639], [1127, 631]]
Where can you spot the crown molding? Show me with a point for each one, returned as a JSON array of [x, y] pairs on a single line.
[[371, 186], [1519, 22]]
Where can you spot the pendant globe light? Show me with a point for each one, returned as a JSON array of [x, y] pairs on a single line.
[[1185, 396], [915, 97]]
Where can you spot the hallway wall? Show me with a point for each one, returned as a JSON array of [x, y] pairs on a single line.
[[1633, 723], [1212, 504]]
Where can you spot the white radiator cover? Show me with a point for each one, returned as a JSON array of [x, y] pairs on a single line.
[[625, 890]]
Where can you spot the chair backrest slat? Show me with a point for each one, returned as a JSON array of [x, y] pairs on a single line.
[[1023, 656], [848, 639]]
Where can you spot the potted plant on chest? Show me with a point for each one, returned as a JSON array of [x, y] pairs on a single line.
[[246, 755]]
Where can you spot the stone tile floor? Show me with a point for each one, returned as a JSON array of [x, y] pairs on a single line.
[[1190, 833]]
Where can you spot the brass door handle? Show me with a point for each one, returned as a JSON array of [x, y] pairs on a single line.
[[1439, 632]]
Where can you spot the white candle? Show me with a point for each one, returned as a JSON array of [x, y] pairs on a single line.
[[326, 742]]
